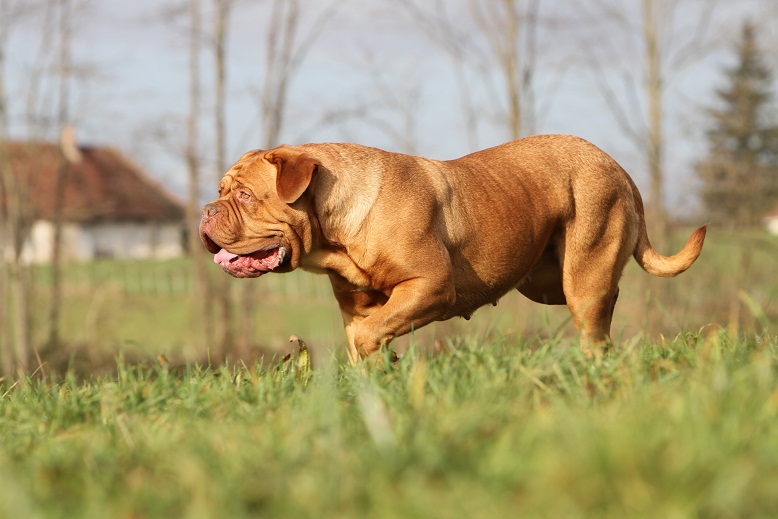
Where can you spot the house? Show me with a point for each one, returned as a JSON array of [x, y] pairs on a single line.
[[110, 207], [771, 221]]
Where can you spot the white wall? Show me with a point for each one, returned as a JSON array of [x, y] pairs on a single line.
[[118, 240], [771, 224], [135, 240]]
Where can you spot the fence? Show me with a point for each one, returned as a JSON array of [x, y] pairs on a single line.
[[174, 277]]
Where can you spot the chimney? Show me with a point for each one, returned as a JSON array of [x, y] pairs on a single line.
[[67, 143]]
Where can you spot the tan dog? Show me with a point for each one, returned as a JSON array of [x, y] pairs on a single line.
[[407, 240]]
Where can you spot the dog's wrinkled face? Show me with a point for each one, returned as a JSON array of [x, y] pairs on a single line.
[[251, 227]]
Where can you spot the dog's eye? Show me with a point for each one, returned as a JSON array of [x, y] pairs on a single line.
[[244, 196]]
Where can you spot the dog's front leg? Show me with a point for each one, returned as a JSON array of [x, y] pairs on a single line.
[[411, 305], [356, 304]]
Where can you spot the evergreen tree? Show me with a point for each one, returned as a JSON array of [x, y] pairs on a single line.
[[740, 173]]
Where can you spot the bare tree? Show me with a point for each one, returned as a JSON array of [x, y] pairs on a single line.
[[286, 42], [511, 30], [6, 356], [68, 152], [15, 343], [220, 29], [494, 48], [202, 291], [280, 63], [402, 103], [382, 104], [437, 23], [652, 18], [673, 35], [211, 294], [17, 193], [666, 37], [35, 112], [221, 17], [286, 45]]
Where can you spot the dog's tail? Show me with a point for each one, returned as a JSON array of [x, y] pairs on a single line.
[[667, 266], [653, 262]]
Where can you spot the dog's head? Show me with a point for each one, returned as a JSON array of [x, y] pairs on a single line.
[[259, 222]]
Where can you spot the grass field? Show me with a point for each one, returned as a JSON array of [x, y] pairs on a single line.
[[677, 429], [500, 416]]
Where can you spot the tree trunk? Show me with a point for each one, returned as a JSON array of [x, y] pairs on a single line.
[[202, 289], [15, 305], [655, 137], [14, 283], [223, 296], [511, 27], [66, 153], [15, 341], [656, 218]]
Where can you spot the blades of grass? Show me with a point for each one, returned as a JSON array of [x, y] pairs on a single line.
[[755, 308]]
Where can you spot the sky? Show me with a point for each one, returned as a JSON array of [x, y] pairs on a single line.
[[367, 58]]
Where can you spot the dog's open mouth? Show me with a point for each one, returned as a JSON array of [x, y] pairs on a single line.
[[250, 265]]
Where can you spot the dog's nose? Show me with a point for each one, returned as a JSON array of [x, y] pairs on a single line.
[[210, 210]]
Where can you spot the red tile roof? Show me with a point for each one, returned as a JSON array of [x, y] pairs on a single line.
[[103, 185]]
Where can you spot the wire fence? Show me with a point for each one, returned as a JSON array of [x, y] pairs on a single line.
[[173, 277]]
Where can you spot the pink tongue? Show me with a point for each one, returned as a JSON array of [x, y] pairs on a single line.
[[260, 261], [223, 257]]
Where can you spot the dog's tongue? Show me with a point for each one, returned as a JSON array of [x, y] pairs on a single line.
[[249, 264], [223, 256]]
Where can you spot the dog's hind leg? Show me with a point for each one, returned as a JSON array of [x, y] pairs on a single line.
[[592, 310], [591, 269]]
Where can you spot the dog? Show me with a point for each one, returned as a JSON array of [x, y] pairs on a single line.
[[407, 240]]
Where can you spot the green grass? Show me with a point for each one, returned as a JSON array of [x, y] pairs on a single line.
[[145, 308], [490, 428]]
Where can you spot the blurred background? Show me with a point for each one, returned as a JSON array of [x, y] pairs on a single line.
[[118, 118]]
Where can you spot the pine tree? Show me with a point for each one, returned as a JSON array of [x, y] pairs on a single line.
[[740, 173]]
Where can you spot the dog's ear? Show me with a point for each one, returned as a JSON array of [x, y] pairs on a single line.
[[295, 171]]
